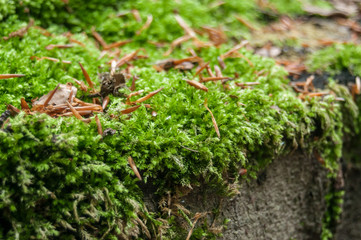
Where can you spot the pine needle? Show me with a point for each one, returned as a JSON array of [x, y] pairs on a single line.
[[213, 119]]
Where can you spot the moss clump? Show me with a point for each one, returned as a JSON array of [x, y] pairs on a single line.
[[57, 184], [339, 60], [336, 58], [60, 178]]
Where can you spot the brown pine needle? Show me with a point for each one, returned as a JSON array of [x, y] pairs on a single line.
[[242, 171], [70, 98], [177, 42], [76, 41], [82, 113], [94, 107], [7, 76], [157, 68], [180, 40], [99, 125], [5, 123], [81, 84], [205, 65], [86, 75], [246, 84], [21, 32], [24, 104], [130, 110], [197, 85], [213, 119], [52, 46], [209, 71], [218, 71], [50, 59], [84, 103], [127, 58], [245, 23], [14, 110], [217, 36], [105, 102], [196, 217], [192, 52], [133, 94], [99, 38], [136, 15], [189, 31], [358, 85], [132, 87], [134, 167], [188, 59], [208, 79], [43, 31], [86, 120], [234, 49], [146, 25], [309, 83], [74, 111], [117, 44], [148, 96], [51, 96], [221, 62], [318, 94]]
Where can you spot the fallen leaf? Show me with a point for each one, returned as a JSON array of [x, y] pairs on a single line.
[[60, 95]]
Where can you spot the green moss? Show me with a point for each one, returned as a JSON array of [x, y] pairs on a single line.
[[62, 173], [337, 57]]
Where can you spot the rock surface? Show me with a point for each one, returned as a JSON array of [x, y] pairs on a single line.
[[350, 222], [285, 202]]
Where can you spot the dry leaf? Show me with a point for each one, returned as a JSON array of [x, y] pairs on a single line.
[[58, 96]]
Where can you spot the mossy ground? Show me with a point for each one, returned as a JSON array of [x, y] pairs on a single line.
[[60, 178]]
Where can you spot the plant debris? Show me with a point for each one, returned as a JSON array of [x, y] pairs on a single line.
[[7, 76], [21, 32], [213, 119], [134, 167]]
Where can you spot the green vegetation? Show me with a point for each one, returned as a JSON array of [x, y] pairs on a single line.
[[336, 58], [60, 178]]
